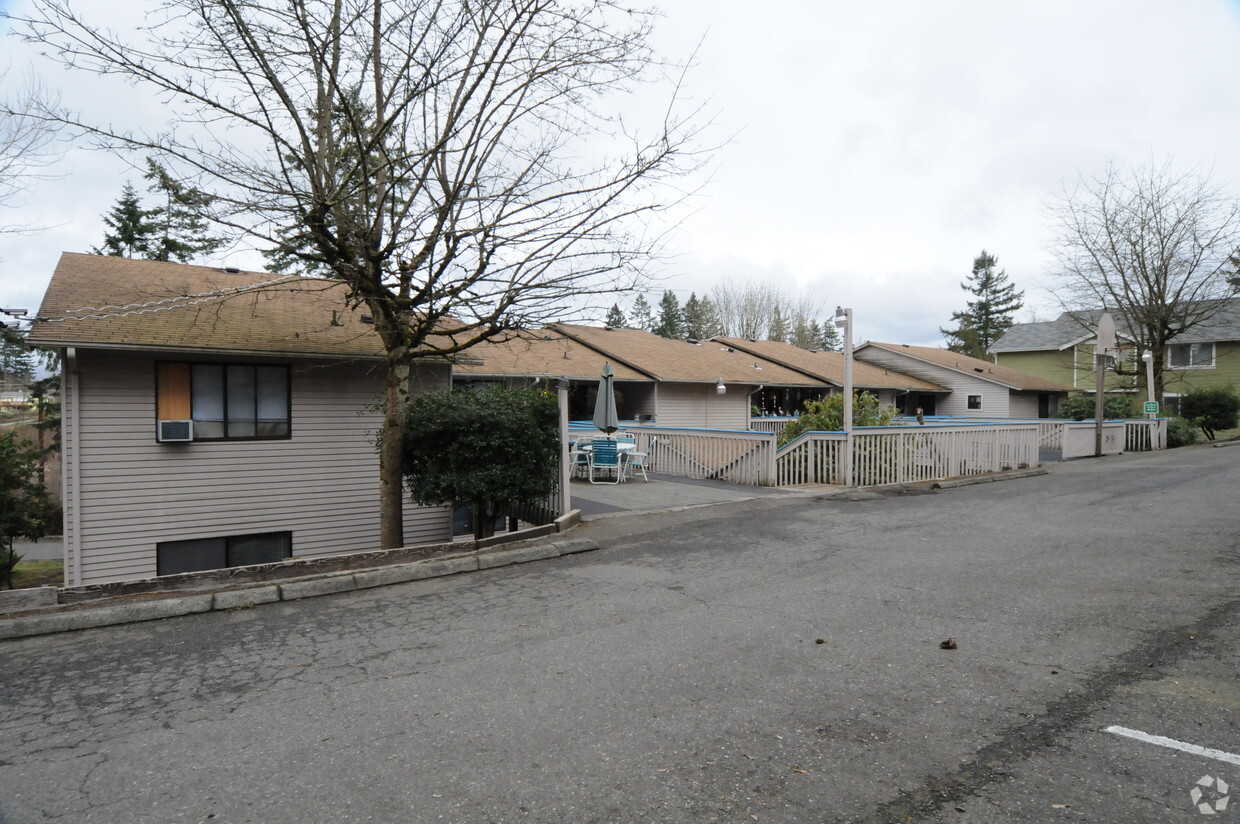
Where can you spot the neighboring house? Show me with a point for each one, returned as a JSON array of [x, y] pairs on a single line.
[[979, 389], [905, 392], [215, 418], [700, 384], [1205, 357]]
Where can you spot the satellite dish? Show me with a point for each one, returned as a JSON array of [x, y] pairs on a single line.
[[1106, 334]]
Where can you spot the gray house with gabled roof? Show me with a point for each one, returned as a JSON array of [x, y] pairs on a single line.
[[1205, 356], [215, 418]]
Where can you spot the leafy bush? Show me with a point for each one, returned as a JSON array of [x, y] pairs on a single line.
[[1081, 407], [1211, 409], [827, 415], [489, 446], [1181, 432]]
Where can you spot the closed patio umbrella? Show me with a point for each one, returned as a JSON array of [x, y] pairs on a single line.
[[605, 416]]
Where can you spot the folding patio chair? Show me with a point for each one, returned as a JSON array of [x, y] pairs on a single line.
[[635, 462], [605, 456]]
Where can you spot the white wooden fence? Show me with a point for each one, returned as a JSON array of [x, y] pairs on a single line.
[[881, 454], [723, 455], [1145, 435], [902, 454], [772, 425]]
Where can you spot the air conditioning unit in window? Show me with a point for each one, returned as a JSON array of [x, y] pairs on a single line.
[[175, 431]]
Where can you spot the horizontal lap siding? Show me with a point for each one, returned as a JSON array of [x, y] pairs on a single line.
[[321, 484], [700, 406], [994, 397]]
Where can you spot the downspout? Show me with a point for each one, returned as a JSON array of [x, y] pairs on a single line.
[[749, 406], [70, 446]]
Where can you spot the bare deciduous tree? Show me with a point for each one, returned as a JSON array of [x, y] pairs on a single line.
[[27, 145], [760, 311], [1151, 245], [450, 160]]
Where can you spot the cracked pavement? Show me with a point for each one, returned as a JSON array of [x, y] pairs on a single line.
[[774, 660]]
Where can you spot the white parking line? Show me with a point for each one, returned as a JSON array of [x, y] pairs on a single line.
[[1183, 746]]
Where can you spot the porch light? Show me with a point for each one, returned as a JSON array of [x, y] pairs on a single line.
[[720, 389]]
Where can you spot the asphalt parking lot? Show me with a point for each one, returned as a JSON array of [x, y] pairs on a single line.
[[771, 660]]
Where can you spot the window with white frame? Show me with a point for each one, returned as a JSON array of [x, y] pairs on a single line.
[[974, 402], [1190, 355]]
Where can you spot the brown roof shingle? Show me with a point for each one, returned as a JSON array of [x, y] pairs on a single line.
[[1003, 375], [679, 360], [96, 301], [829, 366], [542, 353]]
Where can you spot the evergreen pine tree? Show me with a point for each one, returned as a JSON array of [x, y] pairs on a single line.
[[179, 230], [671, 322], [16, 359], [615, 317], [709, 319], [131, 228], [778, 329], [829, 339], [990, 315], [641, 316], [692, 314]]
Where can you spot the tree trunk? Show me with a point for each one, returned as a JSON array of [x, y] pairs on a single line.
[[391, 480]]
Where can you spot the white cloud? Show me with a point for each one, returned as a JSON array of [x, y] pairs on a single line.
[[878, 146]]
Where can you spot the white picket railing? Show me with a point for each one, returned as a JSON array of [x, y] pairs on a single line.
[[902, 454], [772, 425], [734, 456], [1145, 435]]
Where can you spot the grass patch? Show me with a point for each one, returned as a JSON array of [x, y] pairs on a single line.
[[38, 573]]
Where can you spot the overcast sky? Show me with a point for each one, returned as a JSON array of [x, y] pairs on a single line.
[[875, 147]]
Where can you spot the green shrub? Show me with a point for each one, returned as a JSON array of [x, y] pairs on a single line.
[[489, 447], [1081, 407], [827, 415], [1211, 409], [1181, 432]]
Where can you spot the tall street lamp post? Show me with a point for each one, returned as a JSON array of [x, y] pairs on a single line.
[[1148, 357], [843, 320]]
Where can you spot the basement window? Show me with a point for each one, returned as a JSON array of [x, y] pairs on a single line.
[[173, 557]]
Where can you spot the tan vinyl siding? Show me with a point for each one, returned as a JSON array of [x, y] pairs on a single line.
[[1023, 405], [994, 397], [700, 406], [321, 484]]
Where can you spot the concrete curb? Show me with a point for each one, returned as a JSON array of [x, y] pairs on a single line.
[[129, 609], [987, 479]]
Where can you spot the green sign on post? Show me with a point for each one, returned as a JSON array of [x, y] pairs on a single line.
[[1151, 407]]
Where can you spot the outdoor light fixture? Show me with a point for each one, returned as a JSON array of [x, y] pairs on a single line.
[[720, 389], [1148, 357]]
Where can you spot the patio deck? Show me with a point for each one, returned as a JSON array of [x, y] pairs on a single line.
[[662, 492]]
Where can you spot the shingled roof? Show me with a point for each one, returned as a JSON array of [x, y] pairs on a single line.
[[1074, 327], [828, 367], [542, 353], [115, 302], [681, 360], [973, 367]]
